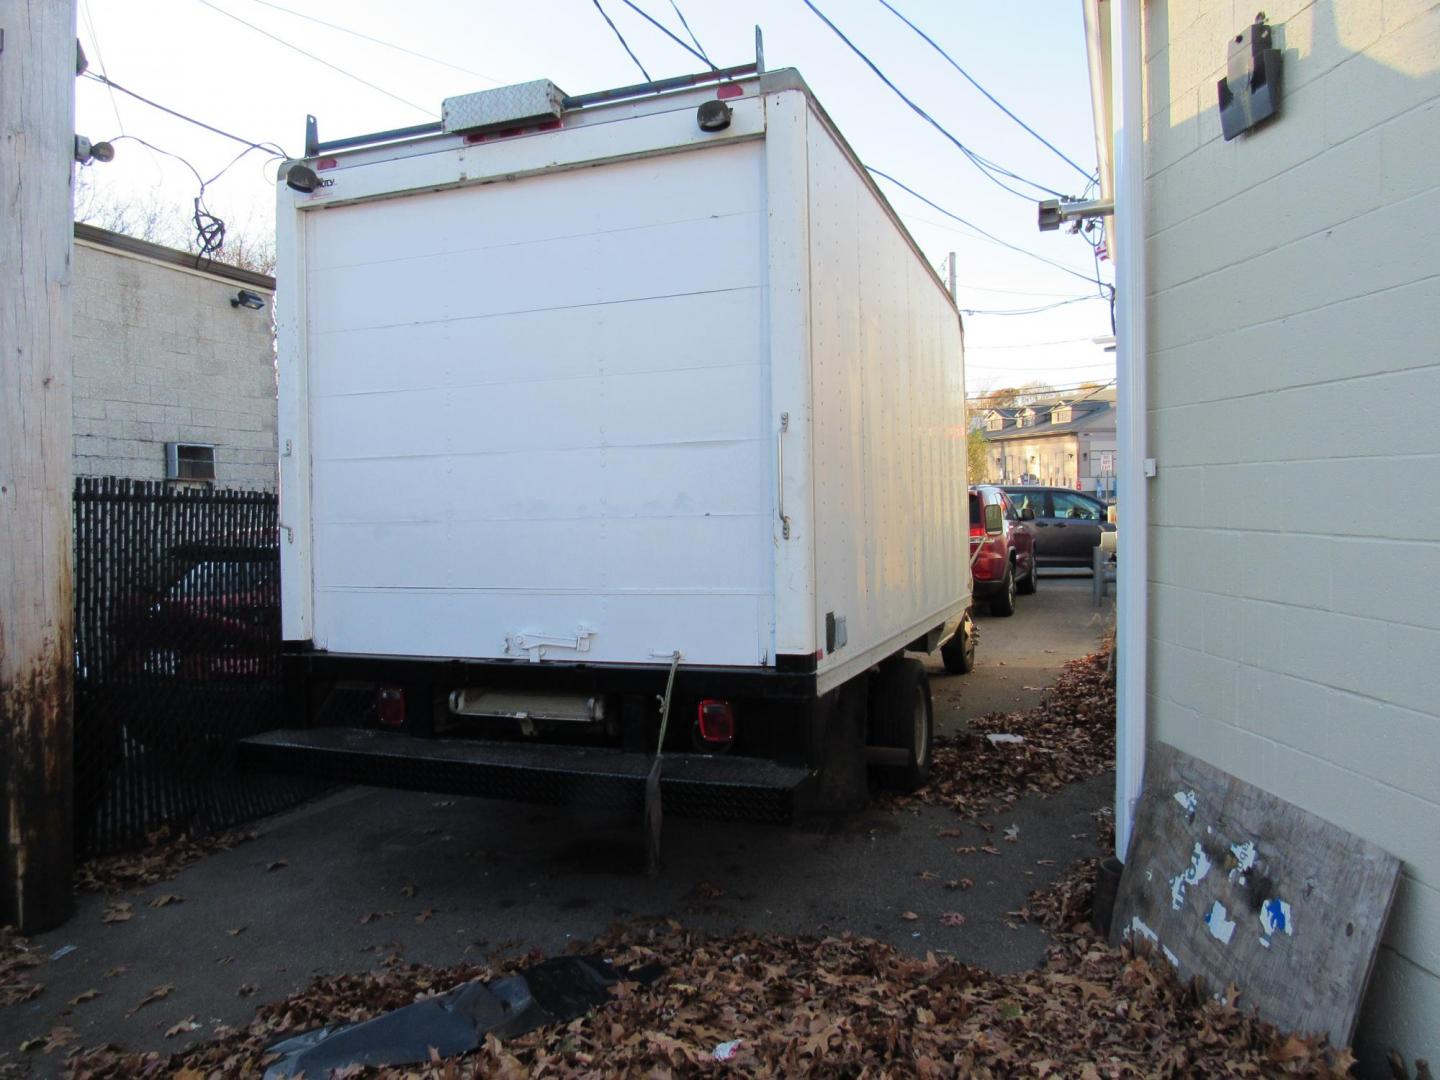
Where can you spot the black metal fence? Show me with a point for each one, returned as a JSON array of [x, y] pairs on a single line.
[[177, 645]]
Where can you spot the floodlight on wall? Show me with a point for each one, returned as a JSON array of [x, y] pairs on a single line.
[[247, 299]]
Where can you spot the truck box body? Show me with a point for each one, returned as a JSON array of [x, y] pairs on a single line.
[[582, 396]]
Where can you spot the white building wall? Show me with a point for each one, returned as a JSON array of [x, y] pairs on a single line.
[[1295, 311], [161, 356]]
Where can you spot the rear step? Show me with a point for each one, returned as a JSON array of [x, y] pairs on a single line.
[[693, 785]]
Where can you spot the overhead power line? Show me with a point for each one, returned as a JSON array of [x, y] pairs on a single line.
[[667, 32], [686, 24], [317, 59], [1037, 309], [380, 41], [987, 235], [1087, 173], [100, 55], [987, 168], [611, 23], [188, 119], [1036, 345], [1088, 385]]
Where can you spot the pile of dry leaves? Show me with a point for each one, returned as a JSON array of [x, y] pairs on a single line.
[[1069, 736], [161, 859], [841, 1006]]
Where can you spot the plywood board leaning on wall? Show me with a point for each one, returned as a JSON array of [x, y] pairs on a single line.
[[1230, 883]]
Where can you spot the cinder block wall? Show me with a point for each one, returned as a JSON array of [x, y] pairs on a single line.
[[161, 356], [1294, 382]]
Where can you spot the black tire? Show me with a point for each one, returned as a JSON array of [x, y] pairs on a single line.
[[1027, 585], [1003, 602], [904, 718], [958, 654]]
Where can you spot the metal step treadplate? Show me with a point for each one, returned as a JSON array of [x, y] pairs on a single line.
[[692, 785]]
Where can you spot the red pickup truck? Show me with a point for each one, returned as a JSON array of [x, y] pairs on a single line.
[[1001, 564]]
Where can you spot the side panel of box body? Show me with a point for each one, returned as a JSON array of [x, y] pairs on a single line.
[[538, 413], [888, 426]]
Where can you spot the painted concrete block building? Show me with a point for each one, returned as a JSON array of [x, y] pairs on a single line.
[[168, 373], [1289, 370]]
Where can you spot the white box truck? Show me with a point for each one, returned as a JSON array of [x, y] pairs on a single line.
[[572, 386]]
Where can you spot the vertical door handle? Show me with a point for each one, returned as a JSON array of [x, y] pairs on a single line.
[[780, 461]]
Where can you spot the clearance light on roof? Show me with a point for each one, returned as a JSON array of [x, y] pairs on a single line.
[[713, 116]]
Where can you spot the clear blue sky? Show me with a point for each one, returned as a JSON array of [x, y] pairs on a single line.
[[191, 56]]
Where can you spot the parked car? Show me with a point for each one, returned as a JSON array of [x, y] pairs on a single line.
[[1002, 564], [213, 617], [1067, 523]]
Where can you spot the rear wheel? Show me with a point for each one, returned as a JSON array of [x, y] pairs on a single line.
[[958, 654], [1030, 582], [1003, 602], [904, 719]]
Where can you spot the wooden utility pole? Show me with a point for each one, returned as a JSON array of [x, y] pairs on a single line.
[[37, 653]]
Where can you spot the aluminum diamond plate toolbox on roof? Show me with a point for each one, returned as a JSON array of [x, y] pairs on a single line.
[[505, 105]]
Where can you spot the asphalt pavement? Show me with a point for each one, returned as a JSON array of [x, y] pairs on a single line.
[[362, 874]]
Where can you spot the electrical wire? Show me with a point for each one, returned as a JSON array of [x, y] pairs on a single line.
[[667, 32], [1087, 173], [1070, 389], [188, 119], [611, 23], [1034, 345], [381, 41], [987, 167], [100, 56], [686, 24], [987, 235], [317, 59], [1033, 310]]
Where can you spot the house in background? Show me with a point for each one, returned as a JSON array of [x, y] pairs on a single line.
[[174, 370], [1279, 314], [1060, 443]]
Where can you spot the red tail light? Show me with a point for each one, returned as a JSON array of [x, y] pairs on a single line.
[[715, 723], [977, 532], [390, 704]]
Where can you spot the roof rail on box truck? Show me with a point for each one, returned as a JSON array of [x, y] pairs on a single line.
[[569, 386]]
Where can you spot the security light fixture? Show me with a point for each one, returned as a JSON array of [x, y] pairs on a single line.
[[1055, 212], [247, 299]]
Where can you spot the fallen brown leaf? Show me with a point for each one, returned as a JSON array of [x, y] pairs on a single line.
[[84, 996], [117, 912], [166, 900], [181, 1027], [164, 990]]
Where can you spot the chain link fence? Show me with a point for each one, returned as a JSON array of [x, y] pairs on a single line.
[[177, 655]]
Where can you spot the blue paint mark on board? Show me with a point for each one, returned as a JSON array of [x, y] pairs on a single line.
[[1276, 909], [1275, 918]]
